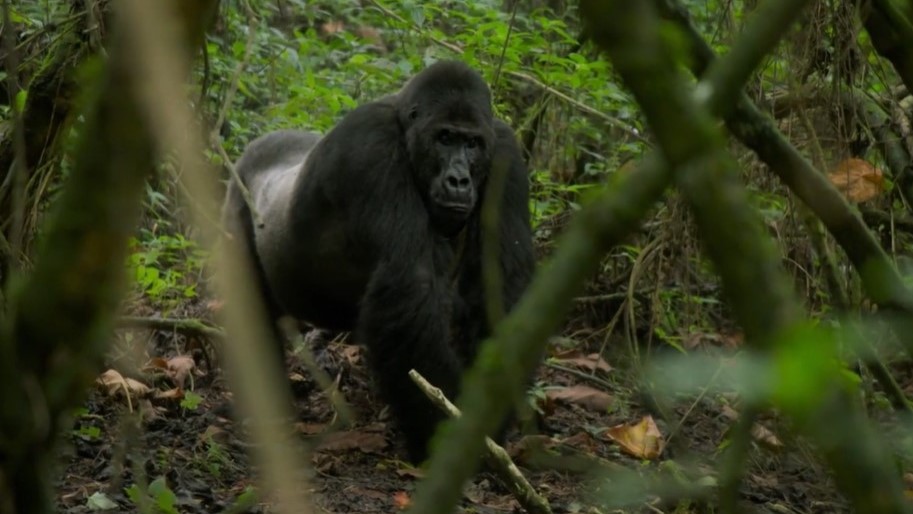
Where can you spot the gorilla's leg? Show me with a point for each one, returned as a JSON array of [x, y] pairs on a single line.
[[404, 322]]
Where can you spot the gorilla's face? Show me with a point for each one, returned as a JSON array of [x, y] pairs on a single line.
[[450, 156], [457, 169], [446, 115]]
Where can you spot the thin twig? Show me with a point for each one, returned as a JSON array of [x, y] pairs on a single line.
[[214, 137], [499, 460], [580, 374]]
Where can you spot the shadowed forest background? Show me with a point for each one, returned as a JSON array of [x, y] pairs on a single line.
[[722, 204]]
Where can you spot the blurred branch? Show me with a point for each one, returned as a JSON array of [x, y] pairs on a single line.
[[62, 314], [258, 382], [184, 326]]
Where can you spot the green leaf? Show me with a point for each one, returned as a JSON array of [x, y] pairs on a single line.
[[21, 98], [100, 501], [165, 499], [191, 400]]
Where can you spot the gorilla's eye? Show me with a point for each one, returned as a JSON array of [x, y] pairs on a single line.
[[413, 113], [445, 137], [474, 142]]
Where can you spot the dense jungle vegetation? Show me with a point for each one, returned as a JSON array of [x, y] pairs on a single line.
[[721, 195]]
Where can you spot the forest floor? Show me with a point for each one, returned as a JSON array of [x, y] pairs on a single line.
[[202, 453]]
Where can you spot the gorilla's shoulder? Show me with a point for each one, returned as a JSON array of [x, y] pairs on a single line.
[[377, 119]]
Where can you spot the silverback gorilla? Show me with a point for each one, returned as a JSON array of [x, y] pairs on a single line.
[[375, 228]]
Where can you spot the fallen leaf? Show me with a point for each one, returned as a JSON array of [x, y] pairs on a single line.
[[156, 363], [858, 180], [401, 500], [179, 368], [353, 440], [759, 432], [214, 433], [176, 393], [115, 383], [309, 428], [100, 501], [352, 354], [591, 362], [585, 396], [411, 472], [581, 441], [215, 306], [642, 440]]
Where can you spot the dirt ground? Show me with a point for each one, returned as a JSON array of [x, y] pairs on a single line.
[[201, 453]]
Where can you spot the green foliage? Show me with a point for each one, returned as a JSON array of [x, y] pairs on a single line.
[[297, 77], [158, 498], [191, 400], [166, 268], [216, 458]]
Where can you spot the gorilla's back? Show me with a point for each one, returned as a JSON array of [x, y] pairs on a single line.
[[295, 264]]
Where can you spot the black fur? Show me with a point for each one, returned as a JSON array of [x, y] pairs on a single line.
[[355, 235]]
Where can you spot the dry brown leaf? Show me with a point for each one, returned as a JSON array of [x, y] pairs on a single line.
[[115, 383], [176, 393], [179, 368], [401, 500], [310, 428], [215, 306], [642, 440], [764, 436], [759, 432], [581, 441], [156, 363], [858, 180], [352, 354], [215, 433], [585, 396], [591, 362], [353, 440], [411, 472]]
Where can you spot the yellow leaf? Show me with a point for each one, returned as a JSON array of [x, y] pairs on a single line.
[[858, 180], [642, 440]]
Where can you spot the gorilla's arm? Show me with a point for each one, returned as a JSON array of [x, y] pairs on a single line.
[[405, 312], [517, 257], [405, 323]]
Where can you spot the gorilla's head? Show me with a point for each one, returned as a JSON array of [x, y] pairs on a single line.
[[446, 114]]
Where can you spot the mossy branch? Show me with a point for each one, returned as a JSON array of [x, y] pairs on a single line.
[[61, 315]]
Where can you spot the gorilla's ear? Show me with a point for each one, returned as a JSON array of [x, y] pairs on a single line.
[[407, 116]]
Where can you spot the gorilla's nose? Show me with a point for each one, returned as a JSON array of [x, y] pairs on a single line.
[[457, 182]]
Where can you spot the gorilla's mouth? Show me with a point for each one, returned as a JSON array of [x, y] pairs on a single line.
[[459, 208]]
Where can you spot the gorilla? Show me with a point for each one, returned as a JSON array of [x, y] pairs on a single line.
[[375, 228]]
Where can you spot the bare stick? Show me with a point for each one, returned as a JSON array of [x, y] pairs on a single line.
[[496, 457]]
